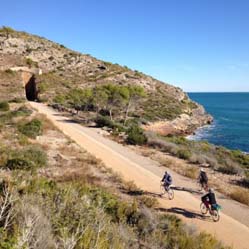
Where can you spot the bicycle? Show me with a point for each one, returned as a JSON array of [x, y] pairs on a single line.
[[214, 211], [167, 190]]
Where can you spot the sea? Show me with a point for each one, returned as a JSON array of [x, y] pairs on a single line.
[[231, 119]]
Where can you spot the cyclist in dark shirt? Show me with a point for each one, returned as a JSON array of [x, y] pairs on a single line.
[[167, 180], [209, 199]]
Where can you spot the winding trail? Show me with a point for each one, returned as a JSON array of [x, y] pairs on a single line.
[[233, 227]]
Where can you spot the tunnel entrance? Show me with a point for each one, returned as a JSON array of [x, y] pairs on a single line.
[[31, 90]]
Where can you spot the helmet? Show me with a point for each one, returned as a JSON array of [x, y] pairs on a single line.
[[202, 170], [210, 190]]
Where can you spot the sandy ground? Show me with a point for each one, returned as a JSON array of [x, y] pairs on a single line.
[[232, 228]]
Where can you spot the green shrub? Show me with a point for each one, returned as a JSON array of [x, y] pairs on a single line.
[[7, 241], [22, 111], [29, 158], [179, 140], [9, 71], [240, 157], [31, 63], [148, 201], [31, 129], [6, 118], [184, 154], [4, 106], [103, 121], [135, 135], [59, 99], [43, 87]]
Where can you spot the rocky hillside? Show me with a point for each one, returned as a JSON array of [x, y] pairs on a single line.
[[47, 69]]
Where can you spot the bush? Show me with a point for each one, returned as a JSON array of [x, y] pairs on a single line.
[[240, 195], [240, 157], [31, 63], [22, 111], [135, 135], [31, 129], [4, 106], [27, 159], [149, 202], [229, 169], [102, 121], [191, 172], [59, 99], [132, 188], [163, 145], [244, 182], [9, 71], [184, 154]]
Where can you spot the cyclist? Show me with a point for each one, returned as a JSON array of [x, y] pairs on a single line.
[[209, 199], [203, 179], [167, 180]]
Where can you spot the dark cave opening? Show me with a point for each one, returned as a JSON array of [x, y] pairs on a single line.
[[31, 90]]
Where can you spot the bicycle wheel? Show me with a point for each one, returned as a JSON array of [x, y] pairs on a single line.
[[203, 208], [215, 215], [170, 194], [162, 189]]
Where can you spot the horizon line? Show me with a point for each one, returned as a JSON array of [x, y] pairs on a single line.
[[217, 91]]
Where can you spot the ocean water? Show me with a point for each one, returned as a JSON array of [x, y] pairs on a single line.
[[231, 119]]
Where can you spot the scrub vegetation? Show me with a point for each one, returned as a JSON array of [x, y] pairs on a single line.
[[75, 201], [201, 152]]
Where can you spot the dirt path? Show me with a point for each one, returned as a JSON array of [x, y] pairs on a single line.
[[147, 174]]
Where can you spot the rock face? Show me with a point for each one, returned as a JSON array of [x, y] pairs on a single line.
[[166, 110], [182, 125]]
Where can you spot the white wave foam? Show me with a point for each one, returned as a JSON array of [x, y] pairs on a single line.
[[202, 133]]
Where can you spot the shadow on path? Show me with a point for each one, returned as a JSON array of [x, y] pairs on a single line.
[[153, 194], [70, 119], [186, 213], [190, 190]]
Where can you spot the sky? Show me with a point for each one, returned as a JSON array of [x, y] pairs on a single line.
[[198, 45]]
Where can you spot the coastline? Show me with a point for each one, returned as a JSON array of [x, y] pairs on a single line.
[[230, 128], [198, 134], [202, 134]]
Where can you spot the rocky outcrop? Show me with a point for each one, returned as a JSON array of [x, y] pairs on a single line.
[[183, 125]]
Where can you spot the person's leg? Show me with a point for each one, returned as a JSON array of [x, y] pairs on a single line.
[[166, 186], [205, 201], [205, 186]]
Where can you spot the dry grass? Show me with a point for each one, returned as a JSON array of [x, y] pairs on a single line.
[[191, 172], [148, 201], [240, 195], [47, 125], [131, 188]]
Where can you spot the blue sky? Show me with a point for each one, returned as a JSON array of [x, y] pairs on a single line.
[[198, 45]]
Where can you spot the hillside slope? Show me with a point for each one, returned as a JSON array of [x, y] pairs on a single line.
[[186, 204], [166, 109]]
